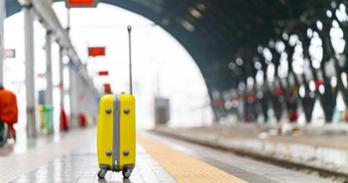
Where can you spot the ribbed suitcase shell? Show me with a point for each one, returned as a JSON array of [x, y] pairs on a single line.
[[116, 133]]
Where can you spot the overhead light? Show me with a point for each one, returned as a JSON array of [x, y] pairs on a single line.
[[187, 25], [231, 65], [195, 13], [239, 61], [201, 7]]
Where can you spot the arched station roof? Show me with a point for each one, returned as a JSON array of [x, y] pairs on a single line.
[[226, 37]]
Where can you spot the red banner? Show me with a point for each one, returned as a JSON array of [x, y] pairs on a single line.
[[103, 73], [81, 3], [96, 51]]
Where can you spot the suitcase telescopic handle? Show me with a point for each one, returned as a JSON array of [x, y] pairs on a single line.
[[129, 28]]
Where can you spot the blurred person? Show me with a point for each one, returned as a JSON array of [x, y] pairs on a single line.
[[63, 120], [82, 120], [8, 114], [292, 109]]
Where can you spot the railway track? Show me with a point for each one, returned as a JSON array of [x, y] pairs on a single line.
[[310, 170]]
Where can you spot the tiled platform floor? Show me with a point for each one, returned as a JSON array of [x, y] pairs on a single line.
[[73, 159], [82, 167]]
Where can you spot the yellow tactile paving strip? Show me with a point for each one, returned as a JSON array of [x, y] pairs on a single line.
[[184, 168]]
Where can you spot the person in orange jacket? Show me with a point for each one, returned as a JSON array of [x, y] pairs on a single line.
[[8, 110]]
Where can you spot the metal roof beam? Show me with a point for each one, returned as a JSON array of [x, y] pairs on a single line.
[[46, 13]]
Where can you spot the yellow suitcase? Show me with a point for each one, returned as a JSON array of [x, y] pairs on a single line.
[[116, 132]]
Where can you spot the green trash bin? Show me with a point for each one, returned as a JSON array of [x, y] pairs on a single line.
[[47, 118]]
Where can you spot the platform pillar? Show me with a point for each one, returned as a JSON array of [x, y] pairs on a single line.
[[29, 70], [73, 95], [2, 18], [49, 89], [61, 77]]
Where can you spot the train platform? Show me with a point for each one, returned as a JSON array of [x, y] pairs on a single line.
[[72, 157], [324, 149]]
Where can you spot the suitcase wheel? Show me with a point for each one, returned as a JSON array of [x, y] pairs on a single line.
[[101, 174], [127, 172]]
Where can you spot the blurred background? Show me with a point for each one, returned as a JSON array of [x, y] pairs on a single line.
[[162, 67], [262, 79]]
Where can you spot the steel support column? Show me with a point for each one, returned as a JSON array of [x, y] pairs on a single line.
[[73, 96], [29, 70], [2, 18], [49, 88], [61, 77]]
